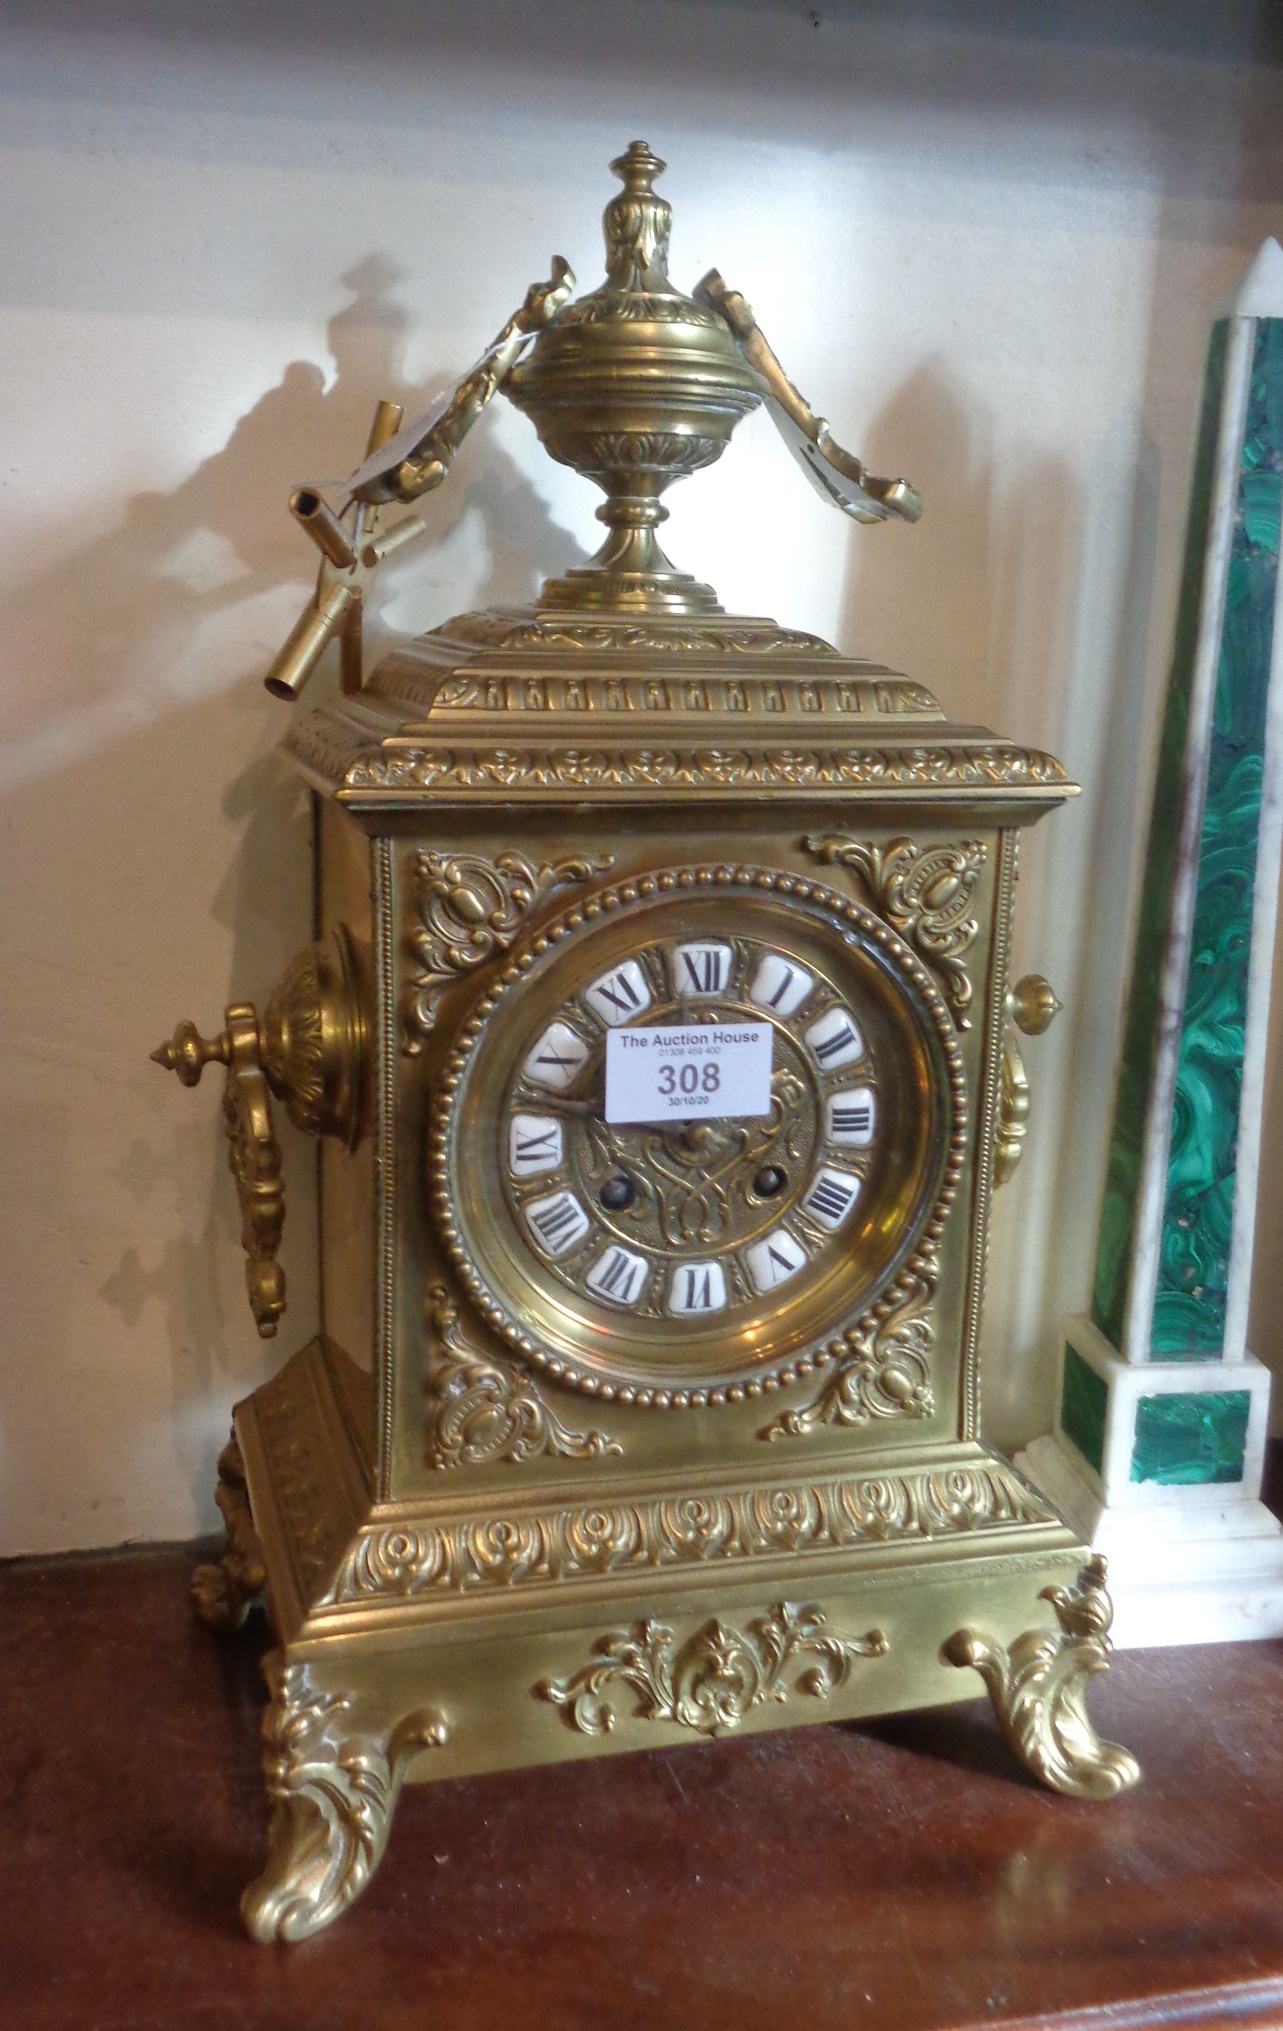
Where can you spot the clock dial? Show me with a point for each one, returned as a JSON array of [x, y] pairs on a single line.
[[658, 1260]]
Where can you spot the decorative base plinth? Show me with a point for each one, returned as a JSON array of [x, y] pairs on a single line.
[[431, 1638], [1179, 1572]]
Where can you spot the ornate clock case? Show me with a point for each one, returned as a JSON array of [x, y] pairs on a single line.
[[621, 1432]]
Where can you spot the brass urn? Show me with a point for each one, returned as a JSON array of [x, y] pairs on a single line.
[[635, 386]]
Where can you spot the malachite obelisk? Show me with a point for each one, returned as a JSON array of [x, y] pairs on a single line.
[[1162, 1411]]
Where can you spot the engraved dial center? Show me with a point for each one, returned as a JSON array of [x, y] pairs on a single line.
[[695, 1216]]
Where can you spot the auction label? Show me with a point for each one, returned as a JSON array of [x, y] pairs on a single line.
[[689, 1073]]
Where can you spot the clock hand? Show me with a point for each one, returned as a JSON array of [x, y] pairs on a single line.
[[837, 474]]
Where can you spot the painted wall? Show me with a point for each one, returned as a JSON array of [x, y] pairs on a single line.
[[991, 256]]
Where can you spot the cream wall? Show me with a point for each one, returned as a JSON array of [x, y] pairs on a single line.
[[991, 257]]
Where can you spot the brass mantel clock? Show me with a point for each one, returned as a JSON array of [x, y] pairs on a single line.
[[662, 1043]]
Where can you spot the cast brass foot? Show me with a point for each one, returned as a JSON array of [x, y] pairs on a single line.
[[1038, 1689], [333, 1792], [221, 1593]]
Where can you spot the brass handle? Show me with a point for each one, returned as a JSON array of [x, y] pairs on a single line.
[[1031, 1008], [416, 459], [310, 1050], [253, 1153], [841, 477]]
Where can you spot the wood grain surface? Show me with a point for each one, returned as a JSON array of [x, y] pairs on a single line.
[[900, 1873]]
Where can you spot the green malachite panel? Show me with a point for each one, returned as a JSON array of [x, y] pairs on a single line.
[[1140, 1034], [1193, 1274], [1084, 1399], [1183, 1440], [1189, 1312]]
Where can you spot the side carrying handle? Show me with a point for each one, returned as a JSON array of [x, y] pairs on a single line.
[[1031, 1008], [311, 1051], [253, 1153], [418, 458], [837, 474]]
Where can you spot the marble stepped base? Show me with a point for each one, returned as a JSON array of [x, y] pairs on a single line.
[[1178, 1572]]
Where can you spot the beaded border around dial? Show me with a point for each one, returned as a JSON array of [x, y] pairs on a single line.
[[798, 1364]]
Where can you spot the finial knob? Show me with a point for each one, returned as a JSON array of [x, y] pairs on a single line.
[[187, 1052], [637, 224], [1032, 1004]]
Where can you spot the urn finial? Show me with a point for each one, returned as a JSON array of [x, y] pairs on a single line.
[[637, 224]]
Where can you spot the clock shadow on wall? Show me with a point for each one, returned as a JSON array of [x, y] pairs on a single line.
[[143, 583]]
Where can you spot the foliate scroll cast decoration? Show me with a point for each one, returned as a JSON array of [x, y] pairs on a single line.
[[925, 893], [699, 768], [222, 1593], [504, 630], [712, 1681], [253, 1153], [664, 451], [666, 1532], [471, 909], [332, 1793], [254, 1159], [885, 1374], [1038, 1689], [484, 1410]]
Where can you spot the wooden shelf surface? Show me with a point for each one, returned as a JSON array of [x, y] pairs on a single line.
[[898, 1873]]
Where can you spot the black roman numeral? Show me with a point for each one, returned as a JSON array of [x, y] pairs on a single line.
[[554, 1221], [551, 1058], [783, 988], [837, 1042], [535, 1145], [704, 970], [852, 1120], [618, 1275], [829, 1198], [619, 992], [699, 1290]]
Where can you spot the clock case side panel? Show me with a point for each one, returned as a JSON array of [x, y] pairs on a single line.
[[656, 1440], [982, 1176], [344, 895]]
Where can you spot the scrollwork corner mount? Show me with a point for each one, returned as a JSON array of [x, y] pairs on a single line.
[[485, 1408], [470, 909], [924, 893]]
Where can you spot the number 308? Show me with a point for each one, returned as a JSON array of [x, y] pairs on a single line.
[[691, 1079]]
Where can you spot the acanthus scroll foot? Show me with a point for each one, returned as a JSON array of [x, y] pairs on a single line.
[[333, 1791], [222, 1593], [1038, 1689]]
